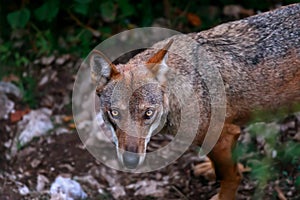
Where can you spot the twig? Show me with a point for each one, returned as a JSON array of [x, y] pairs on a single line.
[[78, 22], [181, 14], [180, 193], [280, 193], [167, 9]]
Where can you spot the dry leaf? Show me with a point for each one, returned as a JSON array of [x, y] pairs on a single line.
[[11, 78], [243, 169], [72, 126], [18, 115], [67, 118], [237, 10], [193, 19]]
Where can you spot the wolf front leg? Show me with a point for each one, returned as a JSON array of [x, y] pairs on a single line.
[[225, 168]]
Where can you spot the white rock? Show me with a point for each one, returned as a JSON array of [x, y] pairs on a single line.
[[66, 189], [6, 106], [41, 182], [9, 88], [148, 188], [34, 124], [117, 191], [24, 190]]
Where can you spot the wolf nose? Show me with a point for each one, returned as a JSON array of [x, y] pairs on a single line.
[[130, 160]]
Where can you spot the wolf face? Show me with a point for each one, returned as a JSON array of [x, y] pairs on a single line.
[[133, 102]]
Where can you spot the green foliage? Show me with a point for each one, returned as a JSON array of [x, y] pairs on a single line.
[[289, 153], [18, 19], [108, 11], [267, 156], [5, 51], [20, 60], [19, 146], [28, 88], [126, 8], [81, 8], [298, 181], [48, 11]]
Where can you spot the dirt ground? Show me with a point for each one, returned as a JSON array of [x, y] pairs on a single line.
[[63, 154]]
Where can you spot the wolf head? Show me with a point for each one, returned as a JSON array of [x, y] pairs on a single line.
[[133, 101]]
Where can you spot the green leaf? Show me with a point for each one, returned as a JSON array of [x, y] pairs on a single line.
[[126, 8], [289, 152], [81, 8], [297, 182], [48, 11], [18, 19], [261, 170], [108, 11], [83, 1]]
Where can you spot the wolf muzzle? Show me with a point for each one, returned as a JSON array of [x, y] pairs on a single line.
[[130, 160]]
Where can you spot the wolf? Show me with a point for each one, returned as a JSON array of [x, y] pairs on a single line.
[[258, 59]]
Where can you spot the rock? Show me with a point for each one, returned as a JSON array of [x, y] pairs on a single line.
[[90, 180], [35, 163], [34, 124], [47, 76], [66, 189], [117, 191], [6, 106], [41, 182], [24, 190], [9, 88], [62, 130], [61, 60], [47, 60], [148, 188]]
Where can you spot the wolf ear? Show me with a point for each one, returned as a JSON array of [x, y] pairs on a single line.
[[157, 64], [102, 69]]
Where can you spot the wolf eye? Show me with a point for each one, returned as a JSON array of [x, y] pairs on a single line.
[[114, 113], [149, 113]]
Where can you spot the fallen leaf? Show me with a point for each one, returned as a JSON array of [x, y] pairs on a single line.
[[193, 19], [67, 118], [72, 126], [243, 169], [18, 115], [11, 78], [237, 10]]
